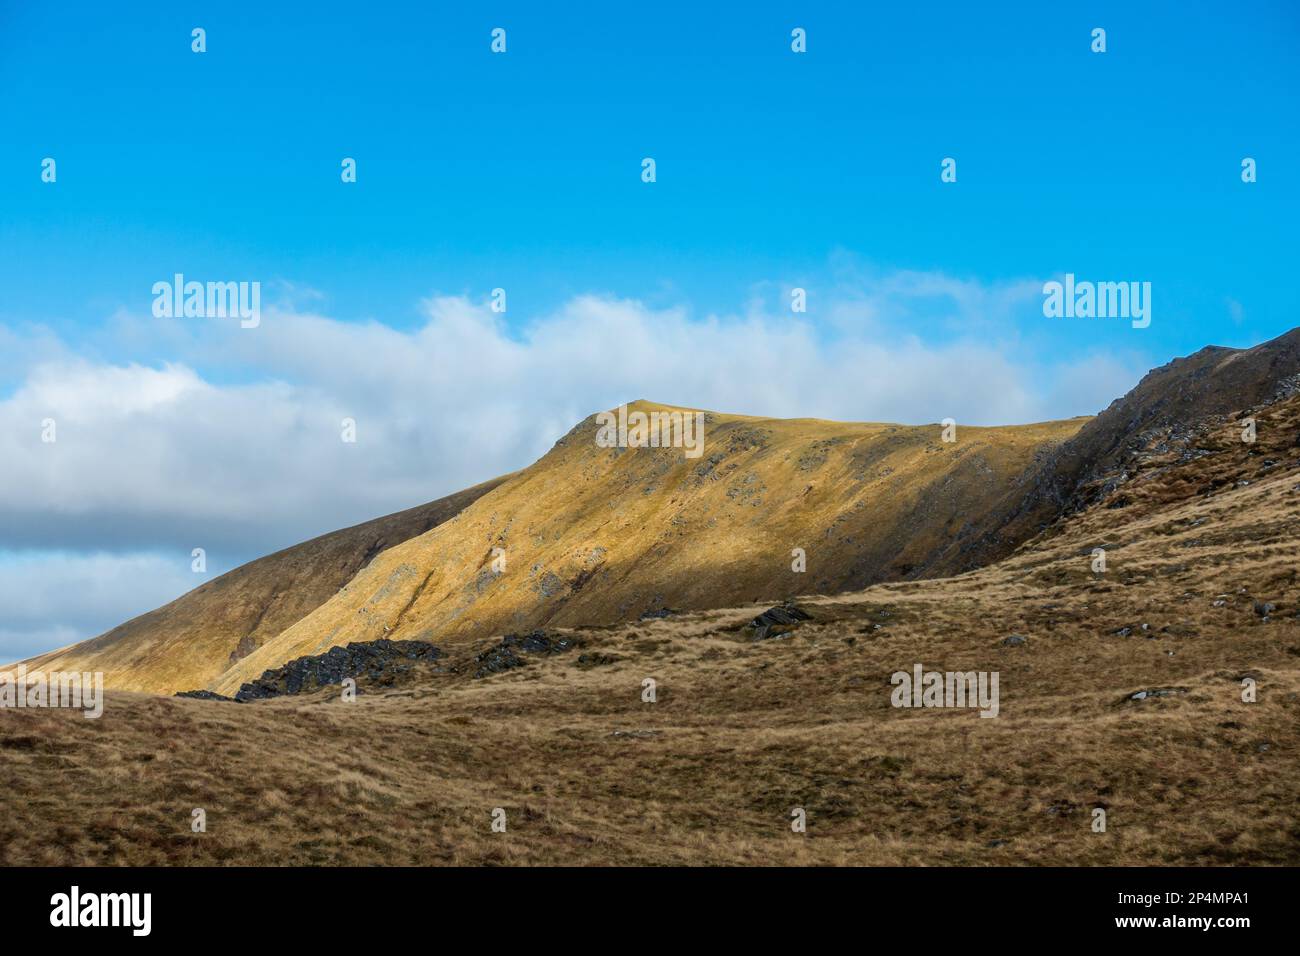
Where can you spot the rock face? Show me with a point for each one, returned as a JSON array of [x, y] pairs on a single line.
[[374, 661], [1157, 692], [204, 695]]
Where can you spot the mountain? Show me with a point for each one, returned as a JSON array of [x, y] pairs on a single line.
[[607, 535], [597, 535], [192, 640], [1164, 408], [591, 535], [1162, 690]]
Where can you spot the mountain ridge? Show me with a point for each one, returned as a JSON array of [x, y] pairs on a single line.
[[1123, 689], [596, 536]]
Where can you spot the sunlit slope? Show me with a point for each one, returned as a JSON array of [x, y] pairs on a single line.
[[595, 535], [192, 640], [1126, 692]]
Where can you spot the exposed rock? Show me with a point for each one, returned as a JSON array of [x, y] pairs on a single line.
[[205, 695], [1157, 692], [247, 644], [374, 660], [505, 655], [1172, 405], [776, 621], [1015, 640], [550, 585], [657, 614]]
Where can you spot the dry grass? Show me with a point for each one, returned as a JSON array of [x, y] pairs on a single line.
[[742, 732]]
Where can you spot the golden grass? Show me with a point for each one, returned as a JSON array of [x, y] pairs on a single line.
[[743, 732]]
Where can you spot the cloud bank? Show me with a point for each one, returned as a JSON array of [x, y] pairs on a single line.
[[233, 442]]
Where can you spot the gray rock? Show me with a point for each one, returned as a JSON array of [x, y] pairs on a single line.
[[1157, 692], [778, 620], [505, 656], [373, 660], [657, 614], [205, 695]]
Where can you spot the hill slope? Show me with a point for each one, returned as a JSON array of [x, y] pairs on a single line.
[[195, 638], [596, 535], [1161, 410], [1200, 593]]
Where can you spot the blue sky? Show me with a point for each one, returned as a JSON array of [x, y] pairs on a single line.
[[522, 171]]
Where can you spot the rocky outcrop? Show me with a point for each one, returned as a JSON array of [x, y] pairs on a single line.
[[505, 655], [1169, 412], [376, 662], [777, 621]]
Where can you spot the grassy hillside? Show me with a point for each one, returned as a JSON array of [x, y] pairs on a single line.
[[1201, 537], [594, 535], [1163, 409], [195, 638]]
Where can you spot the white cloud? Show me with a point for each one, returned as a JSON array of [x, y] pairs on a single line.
[[246, 457]]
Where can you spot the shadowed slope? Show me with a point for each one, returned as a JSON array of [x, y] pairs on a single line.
[[1163, 408], [192, 640]]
